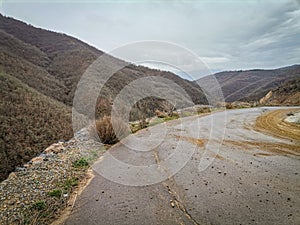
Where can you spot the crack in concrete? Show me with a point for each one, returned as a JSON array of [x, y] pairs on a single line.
[[175, 197], [178, 203]]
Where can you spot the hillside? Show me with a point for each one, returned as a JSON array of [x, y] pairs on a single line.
[[29, 122], [53, 62], [50, 62], [40, 70], [251, 85], [286, 94]]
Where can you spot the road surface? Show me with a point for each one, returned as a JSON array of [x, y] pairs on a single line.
[[246, 178]]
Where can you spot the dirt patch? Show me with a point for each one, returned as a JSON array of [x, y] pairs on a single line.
[[273, 148], [262, 154], [236, 143], [273, 123], [198, 142]]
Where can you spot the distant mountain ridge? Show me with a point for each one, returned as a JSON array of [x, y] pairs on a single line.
[[252, 85]]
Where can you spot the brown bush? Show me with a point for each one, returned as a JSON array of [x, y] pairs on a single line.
[[203, 110], [160, 114], [109, 134], [229, 105]]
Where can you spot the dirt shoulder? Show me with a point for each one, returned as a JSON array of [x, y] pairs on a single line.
[[274, 123]]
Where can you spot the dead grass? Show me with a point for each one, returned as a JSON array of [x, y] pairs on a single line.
[[110, 132]]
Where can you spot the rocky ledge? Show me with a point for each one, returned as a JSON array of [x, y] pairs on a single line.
[[37, 192]]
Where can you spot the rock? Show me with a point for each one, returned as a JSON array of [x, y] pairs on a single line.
[[18, 169], [55, 148], [37, 160], [219, 171], [12, 175], [172, 203], [263, 100], [11, 203], [26, 165]]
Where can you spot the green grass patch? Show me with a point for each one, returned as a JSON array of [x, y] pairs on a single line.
[[55, 193], [187, 113], [39, 205], [168, 118], [156, 121], [70, 183], [81, 163], [94, 154]]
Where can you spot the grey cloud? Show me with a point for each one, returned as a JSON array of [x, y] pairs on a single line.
[[227, 35]]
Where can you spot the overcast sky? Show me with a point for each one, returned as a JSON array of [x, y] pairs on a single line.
[[231, 35]]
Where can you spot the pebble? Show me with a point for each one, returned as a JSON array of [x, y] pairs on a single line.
[[172, 203]]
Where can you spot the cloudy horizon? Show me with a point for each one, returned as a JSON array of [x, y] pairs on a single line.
[[231, 35]]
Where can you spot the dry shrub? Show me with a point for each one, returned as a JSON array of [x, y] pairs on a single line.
[[203, 110], [173, 114], [160, 114], [110, 134], [229, 105]]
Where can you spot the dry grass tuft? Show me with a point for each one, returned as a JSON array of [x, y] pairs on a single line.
[[111, 132]]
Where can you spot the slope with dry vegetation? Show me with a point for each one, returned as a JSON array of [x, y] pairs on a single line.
[[40, 71], [29, 121], [286, 94], [252, 85]]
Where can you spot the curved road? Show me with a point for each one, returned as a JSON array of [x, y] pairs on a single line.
[[247, 178]]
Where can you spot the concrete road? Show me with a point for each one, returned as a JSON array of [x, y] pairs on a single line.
[[191, 172]]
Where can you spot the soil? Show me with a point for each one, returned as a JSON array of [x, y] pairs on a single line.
[[274, 123]]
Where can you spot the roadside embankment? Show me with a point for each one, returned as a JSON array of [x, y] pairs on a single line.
[[40, 190]]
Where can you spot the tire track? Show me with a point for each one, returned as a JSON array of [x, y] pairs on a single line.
[[273, 123]]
